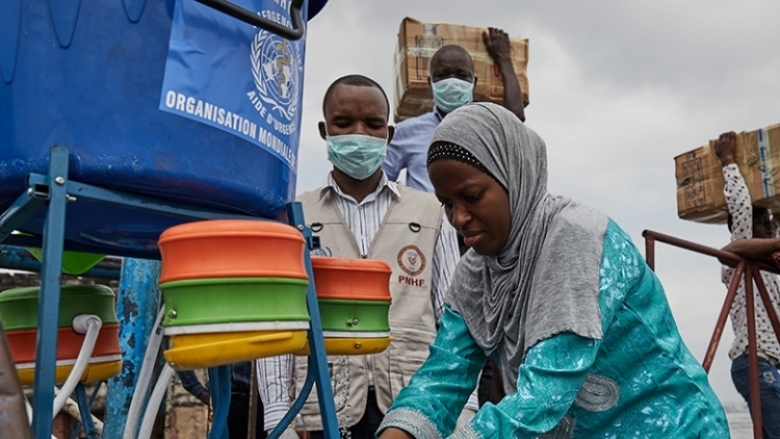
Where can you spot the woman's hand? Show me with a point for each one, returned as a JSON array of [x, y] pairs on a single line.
[[395, 433], [775, 259]]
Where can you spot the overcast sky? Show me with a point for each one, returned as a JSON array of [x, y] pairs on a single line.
[[617, 89]]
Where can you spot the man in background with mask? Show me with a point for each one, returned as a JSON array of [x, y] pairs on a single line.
[[452, 82], [360, 213]]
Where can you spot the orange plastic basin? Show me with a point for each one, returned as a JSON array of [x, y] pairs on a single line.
[[231, 248], [23, 343], [351, 279]]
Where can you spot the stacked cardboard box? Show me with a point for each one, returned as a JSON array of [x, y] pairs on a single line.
[[417, 42], [700, 176]]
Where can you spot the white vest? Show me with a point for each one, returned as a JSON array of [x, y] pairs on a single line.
[[406, 240]]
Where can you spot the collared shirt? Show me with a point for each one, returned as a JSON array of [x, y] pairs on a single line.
[[409, 150], [364, 219], [741, 210]]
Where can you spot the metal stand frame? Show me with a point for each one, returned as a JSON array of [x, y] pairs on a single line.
[[52, 192], [86, 414], [744, 270]]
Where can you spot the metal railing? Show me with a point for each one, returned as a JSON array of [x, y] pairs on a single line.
[[750, 272]]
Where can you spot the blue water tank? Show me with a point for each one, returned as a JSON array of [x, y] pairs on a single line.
[[87, 75]]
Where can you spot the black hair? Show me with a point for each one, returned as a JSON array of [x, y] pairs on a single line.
[[356, 80], [451, 48]]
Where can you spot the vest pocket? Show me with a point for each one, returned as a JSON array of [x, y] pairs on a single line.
[[407, 353]]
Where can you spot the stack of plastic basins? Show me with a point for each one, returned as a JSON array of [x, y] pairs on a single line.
[[234, 290], [19, 314], [354, 302]]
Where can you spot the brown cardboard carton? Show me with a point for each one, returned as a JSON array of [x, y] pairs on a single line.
[[700, 180], [417, 42], [764, 145], [700, 186]]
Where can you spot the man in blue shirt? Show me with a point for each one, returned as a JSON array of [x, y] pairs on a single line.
[[452, 81]]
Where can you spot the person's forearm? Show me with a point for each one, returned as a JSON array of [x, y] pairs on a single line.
[[513, 94], [190, 383], [754, 248]]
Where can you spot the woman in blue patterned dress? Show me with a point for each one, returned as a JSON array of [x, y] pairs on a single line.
[[557, 294]]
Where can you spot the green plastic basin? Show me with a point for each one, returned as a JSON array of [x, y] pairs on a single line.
[[19, 306], [234, 300], [354, 315]]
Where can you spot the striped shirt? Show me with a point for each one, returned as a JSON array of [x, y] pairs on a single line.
[[364, 220], [741, 211]]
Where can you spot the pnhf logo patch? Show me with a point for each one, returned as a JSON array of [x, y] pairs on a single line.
[[411, 260], [277, 68]]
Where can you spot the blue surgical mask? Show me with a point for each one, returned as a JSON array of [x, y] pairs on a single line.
[[452, 93], [357, 155]]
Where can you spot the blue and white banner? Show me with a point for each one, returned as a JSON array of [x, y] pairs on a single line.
[[228, 74]]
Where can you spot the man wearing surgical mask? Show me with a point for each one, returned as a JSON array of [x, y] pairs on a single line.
[[452, 83], [360, 213]]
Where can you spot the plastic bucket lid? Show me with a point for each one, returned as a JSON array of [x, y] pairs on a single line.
[[231, 248], [19, 306], [226, 300]]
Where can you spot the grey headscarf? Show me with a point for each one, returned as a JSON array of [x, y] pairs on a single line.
[[545, 280]]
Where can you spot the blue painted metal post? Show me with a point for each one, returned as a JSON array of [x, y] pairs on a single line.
[[77, 429], [138, 302], [22, 209], [49, 300], [318, 361], [86, 413], [219, 382]]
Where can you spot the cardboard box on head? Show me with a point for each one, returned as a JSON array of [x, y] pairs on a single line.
[[417, 42], [700, 176]]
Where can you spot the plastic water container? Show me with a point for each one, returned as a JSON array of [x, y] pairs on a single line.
[[19, 314], [87, 75], [234, 290], [354, 302]]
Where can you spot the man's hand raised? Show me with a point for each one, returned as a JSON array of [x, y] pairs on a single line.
[[500, 49], [497, 45], [726, 148]]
